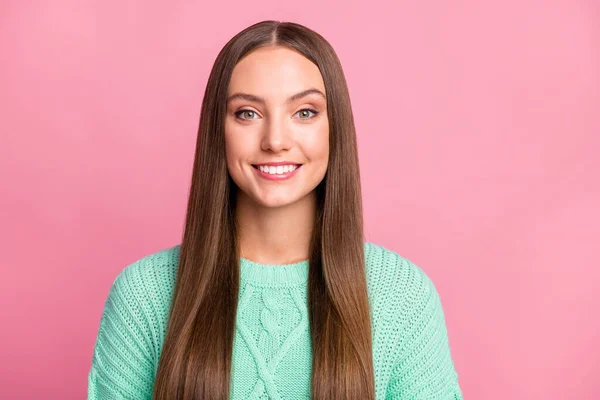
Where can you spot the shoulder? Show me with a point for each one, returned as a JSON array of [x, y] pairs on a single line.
[[138, 301], [142, 290], [386, 267], [410, 333], [132, 326], [148, 270], [165, 258], [399, 288]]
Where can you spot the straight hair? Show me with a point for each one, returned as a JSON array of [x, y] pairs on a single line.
[[196, 358]]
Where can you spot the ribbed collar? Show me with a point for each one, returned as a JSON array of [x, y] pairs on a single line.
[[273, 275]]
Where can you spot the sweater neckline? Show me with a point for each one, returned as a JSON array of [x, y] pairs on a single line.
[[273, 275]]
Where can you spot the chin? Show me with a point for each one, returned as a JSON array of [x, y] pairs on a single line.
[[275, 203]]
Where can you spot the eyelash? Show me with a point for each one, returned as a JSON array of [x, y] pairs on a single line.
[[237, 113]]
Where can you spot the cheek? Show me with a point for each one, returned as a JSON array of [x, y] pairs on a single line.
[[318, 145], [236, 146]]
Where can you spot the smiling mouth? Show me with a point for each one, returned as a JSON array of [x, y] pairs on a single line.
[[256, 166]]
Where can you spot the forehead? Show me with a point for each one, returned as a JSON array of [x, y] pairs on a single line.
[[275, 73]]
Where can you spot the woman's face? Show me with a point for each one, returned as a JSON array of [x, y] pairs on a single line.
[[267, 123]]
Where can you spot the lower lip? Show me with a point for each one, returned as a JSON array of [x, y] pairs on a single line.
[[277, 177]]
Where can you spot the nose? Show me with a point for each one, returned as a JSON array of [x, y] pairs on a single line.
[[277, 135]]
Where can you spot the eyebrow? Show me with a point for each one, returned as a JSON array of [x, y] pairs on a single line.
[[256, 99]]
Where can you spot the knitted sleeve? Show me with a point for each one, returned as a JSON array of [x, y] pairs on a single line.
[[424, 368], [122, 366]]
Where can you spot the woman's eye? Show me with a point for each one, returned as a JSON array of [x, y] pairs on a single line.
[[237, 114], [306, 111], [304, 114]]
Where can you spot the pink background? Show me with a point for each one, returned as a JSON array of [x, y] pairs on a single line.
[[478, 128]]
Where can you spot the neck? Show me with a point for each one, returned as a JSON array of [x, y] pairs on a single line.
[[275, 235]]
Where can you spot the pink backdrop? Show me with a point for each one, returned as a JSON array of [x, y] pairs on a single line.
[[478, 133]]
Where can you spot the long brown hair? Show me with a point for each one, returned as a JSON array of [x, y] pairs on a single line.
[[197, 351]]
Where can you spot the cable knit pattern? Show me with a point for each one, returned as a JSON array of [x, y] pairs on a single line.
[[272, 353]]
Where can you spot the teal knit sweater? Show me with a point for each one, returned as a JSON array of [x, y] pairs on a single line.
[[272, 354]]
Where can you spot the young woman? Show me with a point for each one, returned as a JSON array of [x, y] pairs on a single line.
[[273, 292]]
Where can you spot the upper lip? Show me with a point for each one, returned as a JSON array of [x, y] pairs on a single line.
[[275, 164]]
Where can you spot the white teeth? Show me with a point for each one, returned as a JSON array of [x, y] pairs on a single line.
[[281, 169]]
